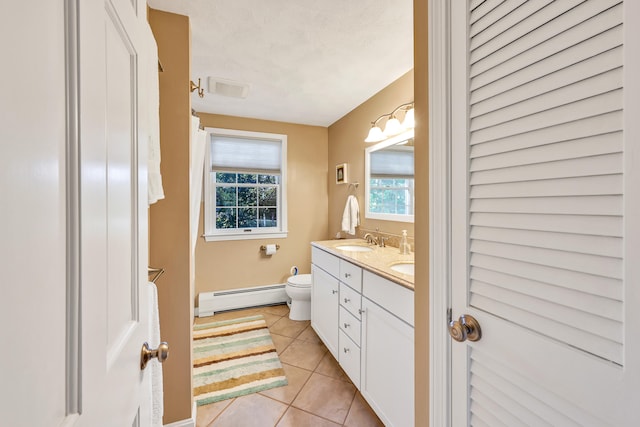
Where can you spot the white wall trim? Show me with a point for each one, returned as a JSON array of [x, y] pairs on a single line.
[[189, 422], [439, 211], [210, 303]]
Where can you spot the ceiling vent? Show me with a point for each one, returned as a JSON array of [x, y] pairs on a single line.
[[228, 88]]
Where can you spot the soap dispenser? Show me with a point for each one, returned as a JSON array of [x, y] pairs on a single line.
[[405, 248]]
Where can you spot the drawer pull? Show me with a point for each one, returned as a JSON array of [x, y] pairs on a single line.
[[346, 350], [346, 300], [333, 291], [346, 325], [347, 275]]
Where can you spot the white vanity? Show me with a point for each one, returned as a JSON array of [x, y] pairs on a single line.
[[363, 311]]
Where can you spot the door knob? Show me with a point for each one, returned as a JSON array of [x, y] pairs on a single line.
[[465, 328], [146, 354]]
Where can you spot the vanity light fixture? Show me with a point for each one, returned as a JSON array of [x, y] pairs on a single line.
[[392, 126]]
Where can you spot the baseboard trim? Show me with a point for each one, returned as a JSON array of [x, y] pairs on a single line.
[[189, 422], [210, 303]]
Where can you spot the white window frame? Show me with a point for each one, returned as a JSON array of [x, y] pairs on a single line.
[[210, 232]]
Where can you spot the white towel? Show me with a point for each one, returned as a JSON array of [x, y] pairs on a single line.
[[157, 405], [351, 215], [155, 191]]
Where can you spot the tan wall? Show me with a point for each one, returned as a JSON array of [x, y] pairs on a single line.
[[421, 299], [240, 263], [346, 145], [169, 218]]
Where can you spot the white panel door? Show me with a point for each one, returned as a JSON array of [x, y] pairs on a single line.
[[73, 217], [545, 213], [114, 52]]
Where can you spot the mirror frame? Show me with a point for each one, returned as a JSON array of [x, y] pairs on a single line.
[[367, 171]]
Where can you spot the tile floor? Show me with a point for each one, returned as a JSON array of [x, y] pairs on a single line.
[[319, 393]]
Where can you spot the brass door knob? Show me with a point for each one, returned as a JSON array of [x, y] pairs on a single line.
[[146, 353], [465, 328]]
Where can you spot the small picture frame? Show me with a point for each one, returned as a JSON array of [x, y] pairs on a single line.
[[341, 173]]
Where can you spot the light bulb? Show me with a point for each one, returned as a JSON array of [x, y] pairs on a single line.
[[375, 135], [409, 120], [392, 127]]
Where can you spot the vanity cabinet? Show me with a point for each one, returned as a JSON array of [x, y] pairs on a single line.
[[367, 324], [324, 307], [387, 360]]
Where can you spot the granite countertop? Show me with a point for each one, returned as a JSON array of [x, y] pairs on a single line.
[[378, 260]]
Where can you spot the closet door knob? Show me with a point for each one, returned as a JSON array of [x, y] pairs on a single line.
[[465, 328]]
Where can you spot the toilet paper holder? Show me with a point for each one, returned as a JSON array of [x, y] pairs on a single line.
[[263, 248]]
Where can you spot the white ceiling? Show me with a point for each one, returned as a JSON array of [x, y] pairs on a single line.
[[306, 61]]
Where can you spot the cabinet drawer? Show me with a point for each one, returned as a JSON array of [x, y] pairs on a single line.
[[351, 275], [350, 325], [349, 358], [394, 298], [326, 261], [351, 300]]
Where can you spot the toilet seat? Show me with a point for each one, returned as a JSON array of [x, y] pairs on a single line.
[[300, 281]]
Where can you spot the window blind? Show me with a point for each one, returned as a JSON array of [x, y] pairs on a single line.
[[231, 153], [395, 162]]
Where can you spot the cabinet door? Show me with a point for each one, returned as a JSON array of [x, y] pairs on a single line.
[[350, 358], [387, 365], [324, 308]]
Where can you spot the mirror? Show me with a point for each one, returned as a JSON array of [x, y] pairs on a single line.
[[389, 179]]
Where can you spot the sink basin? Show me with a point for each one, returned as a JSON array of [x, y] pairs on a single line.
[[404, 268], [354, 248]]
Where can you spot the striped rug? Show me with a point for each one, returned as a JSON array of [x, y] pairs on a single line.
[[233, 358]]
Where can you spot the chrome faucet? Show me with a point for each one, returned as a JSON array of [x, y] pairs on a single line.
[[370, 238]]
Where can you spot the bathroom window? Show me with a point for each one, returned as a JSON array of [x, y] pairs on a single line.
[[391, 181], [391, 196], [246, 185]]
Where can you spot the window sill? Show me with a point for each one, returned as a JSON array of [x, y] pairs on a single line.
[[254, 236]]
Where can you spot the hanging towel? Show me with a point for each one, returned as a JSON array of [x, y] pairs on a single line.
[[155, 191], [157, 405], [351, 215]]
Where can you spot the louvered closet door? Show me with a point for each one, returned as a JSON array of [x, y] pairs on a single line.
[[545, 212]]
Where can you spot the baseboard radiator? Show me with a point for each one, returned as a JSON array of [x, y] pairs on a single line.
[[210, 303]]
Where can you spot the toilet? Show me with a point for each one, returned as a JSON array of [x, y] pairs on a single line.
[[298, 290]]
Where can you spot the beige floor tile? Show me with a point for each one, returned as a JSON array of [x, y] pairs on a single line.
[[281, 342], [279, 310], [288, 327], [296, 418], [297, 378], [270, 318], [329, 366], [361, 414], [207, 413], [308, 334], [326, 397], [253, 410], [303, 354]]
